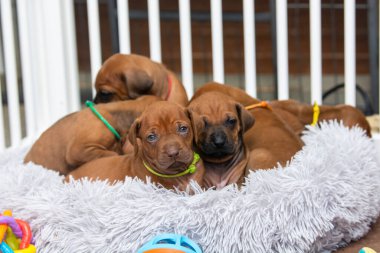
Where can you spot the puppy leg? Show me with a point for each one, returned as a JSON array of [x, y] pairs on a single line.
[[78, 156], [261, 158]]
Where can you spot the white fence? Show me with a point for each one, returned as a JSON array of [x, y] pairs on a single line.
[[49, 69]]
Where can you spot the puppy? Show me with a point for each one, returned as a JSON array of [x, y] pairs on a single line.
[[162, 139], [293, 111], [219, 123], [295, 114], [81, 136], [125, 77], [265, 144]]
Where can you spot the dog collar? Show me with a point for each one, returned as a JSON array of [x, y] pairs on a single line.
[[190, 170], [316, 112], [262, 104], [169, 87], [90, 105]]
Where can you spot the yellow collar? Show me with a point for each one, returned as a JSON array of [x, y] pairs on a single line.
[[191, 169], [316, 112]]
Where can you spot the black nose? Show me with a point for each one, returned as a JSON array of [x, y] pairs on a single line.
[[218, 139]]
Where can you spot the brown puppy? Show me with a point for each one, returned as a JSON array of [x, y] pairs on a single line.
[[296, 114], [292, 111], [270, 140], [162, 138], [81, 136], [125, 77], [219, 123]]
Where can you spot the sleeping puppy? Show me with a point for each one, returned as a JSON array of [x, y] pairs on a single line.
[[300, 114], [162, 139], [219, 124], [125, 77], [81, 136]]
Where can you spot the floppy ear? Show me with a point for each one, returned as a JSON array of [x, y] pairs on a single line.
[[246, 118], [137, 82], [196, 123], [133, 134]]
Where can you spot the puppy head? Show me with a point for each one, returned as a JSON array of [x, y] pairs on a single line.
[[162, 136], [218, 124], [121, 78]]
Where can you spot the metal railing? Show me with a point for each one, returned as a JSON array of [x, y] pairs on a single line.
[[48, 55]]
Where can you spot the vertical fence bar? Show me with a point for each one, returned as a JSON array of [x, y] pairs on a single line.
[[40, 65], [11, 72], [315, 51], [26, 63], [186, 46], [249, 47], [2, 132], [282, 49], [154, 30], [71, 60], [55, 57], [217, 41], [124, 29], [349, 52], [94, 33]]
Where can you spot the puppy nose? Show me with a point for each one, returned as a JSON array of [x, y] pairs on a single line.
[[172, 151], [218, 139]]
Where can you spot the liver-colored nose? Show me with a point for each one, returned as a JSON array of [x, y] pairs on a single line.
[[172, 151]]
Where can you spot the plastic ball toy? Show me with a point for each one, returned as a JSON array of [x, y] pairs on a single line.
[[170, 243], [366, 250], [15, 235]]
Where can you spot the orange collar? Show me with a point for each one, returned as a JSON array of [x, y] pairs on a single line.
[[262, 104], [169, 87]]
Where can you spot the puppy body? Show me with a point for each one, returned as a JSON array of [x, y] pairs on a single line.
[[295, 114], [124, 77], [81, 137], [162, 139], [219, 123], [303, 113], [270, 141]]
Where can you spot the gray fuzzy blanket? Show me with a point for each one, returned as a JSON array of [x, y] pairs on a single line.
[[327, 196]]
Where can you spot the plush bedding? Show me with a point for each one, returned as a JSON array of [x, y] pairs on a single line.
[[328, 195]]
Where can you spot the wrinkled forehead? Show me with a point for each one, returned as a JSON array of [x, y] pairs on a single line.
[[162, 114], [216, 109]]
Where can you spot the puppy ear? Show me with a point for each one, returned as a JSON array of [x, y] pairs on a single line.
[[137, 82], [195, 122], [134, 133], [246, 118]]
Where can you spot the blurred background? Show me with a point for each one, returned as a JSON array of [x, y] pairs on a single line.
[[299, 43], [332, 16]]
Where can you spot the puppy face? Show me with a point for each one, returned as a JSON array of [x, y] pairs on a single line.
[[219, 124], [163, 137], [120, 78]]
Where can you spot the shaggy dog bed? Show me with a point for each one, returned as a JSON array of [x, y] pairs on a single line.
[[327, 196]]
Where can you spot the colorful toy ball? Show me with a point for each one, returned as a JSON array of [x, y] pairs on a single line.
[[170, 243], [366, 250]]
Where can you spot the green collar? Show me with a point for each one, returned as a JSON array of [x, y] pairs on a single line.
[[90, 105], [191, 169]]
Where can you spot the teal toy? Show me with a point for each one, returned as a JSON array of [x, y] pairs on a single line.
[[170, 243]]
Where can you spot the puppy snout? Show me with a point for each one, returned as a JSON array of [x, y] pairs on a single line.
[[218, 138], [172, 151]]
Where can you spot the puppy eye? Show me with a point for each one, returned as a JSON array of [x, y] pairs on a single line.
[[105, 95], [183, 129], [152, 138], [230, 122]]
